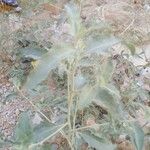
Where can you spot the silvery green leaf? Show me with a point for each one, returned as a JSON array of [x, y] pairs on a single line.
[[96, 142], [24, 130], [78, 141], [86, 96], [109, 99], [101, 45], [137, 136], [42, 131], [74, 19], [106, 71], [31, 52], [46, 63]]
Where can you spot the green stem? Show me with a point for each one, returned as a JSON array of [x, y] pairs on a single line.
[[69, 104], [71, 89], [74, 121]]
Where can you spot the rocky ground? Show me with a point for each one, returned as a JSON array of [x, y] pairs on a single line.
[[129, 15]]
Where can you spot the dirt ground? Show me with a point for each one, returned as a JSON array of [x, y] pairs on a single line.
[[123, 15]]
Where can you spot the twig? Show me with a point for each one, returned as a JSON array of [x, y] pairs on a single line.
[[146, 59], [103, 13], [74, 119], [128, 27], [56, 6]]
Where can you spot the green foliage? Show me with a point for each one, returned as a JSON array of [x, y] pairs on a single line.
[[108, 99], [137, 136], [96, 142], [86, 96], [42, 131], [74, 19], [27, 135], [106, 71], [24, 130], [46, 63], [101, 45], [31, 52]]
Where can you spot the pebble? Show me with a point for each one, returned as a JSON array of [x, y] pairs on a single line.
[[18, 9], [147, 7], [17, 112]]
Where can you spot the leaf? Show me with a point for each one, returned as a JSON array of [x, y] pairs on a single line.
[[107, 68], [101, 45], [96, 142], [45, 64], [26, 135], [137, 136], [78, 141], [74, 19], [24, 130], [2, 143], [108, 98], [86, 96], [31, 52], [42, 131]]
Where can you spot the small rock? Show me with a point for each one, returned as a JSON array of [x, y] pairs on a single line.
[[147, 7], [17, 112], [83, 16], [18, 9]]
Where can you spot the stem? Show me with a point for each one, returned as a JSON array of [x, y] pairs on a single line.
[[74, 120], [69, 103], [71, 89]]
